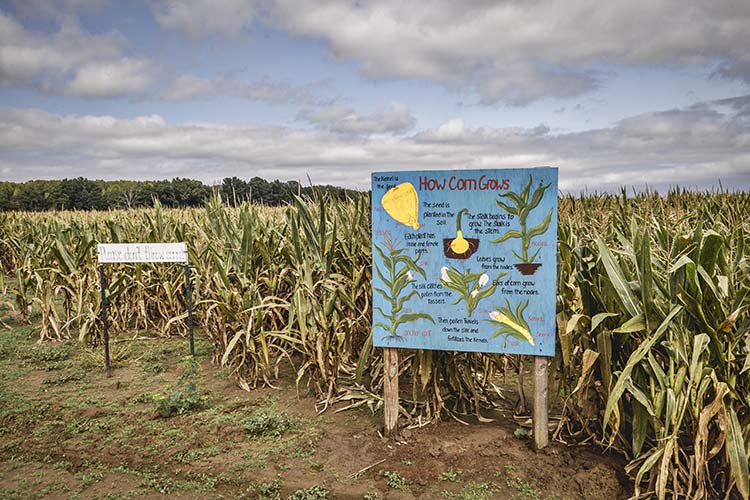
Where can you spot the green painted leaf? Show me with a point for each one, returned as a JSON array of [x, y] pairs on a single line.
[[507, 208], [411, 317], [510, 234], [542, 227]]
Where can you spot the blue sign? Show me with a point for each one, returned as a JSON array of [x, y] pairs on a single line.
[[465, 260]]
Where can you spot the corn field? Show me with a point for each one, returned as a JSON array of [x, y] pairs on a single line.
[[653, 356]]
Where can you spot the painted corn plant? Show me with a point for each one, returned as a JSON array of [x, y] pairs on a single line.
[[397, 272], [471, 287], [511, 323], [523, 204]]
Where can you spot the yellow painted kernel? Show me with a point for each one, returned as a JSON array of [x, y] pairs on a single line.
[[459, 245]]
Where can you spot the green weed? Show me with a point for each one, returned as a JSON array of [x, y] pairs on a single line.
[[394, 480], [184, 396], [267, 422], [472, 491], [450, 476], [312, 493]]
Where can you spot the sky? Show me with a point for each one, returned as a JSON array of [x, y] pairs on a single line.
[[647, 94]]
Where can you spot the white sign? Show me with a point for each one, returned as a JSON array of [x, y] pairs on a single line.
[[142, 252]]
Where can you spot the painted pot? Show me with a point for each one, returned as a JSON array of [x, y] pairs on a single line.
[[527, 268]]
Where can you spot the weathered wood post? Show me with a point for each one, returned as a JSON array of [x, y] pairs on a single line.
[[540, 419], [390, 391]]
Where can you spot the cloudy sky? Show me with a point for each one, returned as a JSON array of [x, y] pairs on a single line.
[[638, 92]]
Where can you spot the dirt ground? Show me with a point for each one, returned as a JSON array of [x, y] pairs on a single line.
[[68, 432]]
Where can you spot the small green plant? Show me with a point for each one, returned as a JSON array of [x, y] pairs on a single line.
[[521, 209], [394, 480], [472, 287], [184, 396], [473, 491], [451, 476], [312, 493], [371, 496], [510, 322], [266, 422], [400, 269], [520, 433], [270, 490], [525, 490]]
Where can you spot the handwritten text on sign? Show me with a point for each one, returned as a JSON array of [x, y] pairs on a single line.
[[142, 252]]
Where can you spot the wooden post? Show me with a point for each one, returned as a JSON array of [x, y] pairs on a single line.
[[390, 391], [541, 430]]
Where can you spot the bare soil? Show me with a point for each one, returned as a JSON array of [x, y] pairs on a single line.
[[68, 432]]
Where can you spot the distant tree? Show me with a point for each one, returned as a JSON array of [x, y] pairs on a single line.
[[235, 190], [8, 196], [123, 194], [38, 195], [80, 194], [164, 192], [84, 194], [189, 193]]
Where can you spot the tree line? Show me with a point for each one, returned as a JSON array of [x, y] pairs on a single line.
[[86, 194]]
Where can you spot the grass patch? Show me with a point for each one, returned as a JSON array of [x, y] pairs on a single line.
[[524, 489], [472, 491], [312, 493], [267, 490], [153, 359], [197, 455], [266, 422]]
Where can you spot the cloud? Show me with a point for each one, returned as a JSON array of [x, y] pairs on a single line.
[[111, 78], [28, 55], [519, 52], [69, 61], [187, 87], [53, 9], [395, 118], [692, 147], [201, 18]]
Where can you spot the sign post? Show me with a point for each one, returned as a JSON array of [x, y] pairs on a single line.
[[390, 391], [111, 253], [465, 260], [189, 298], [539, 415], [103, 283]]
